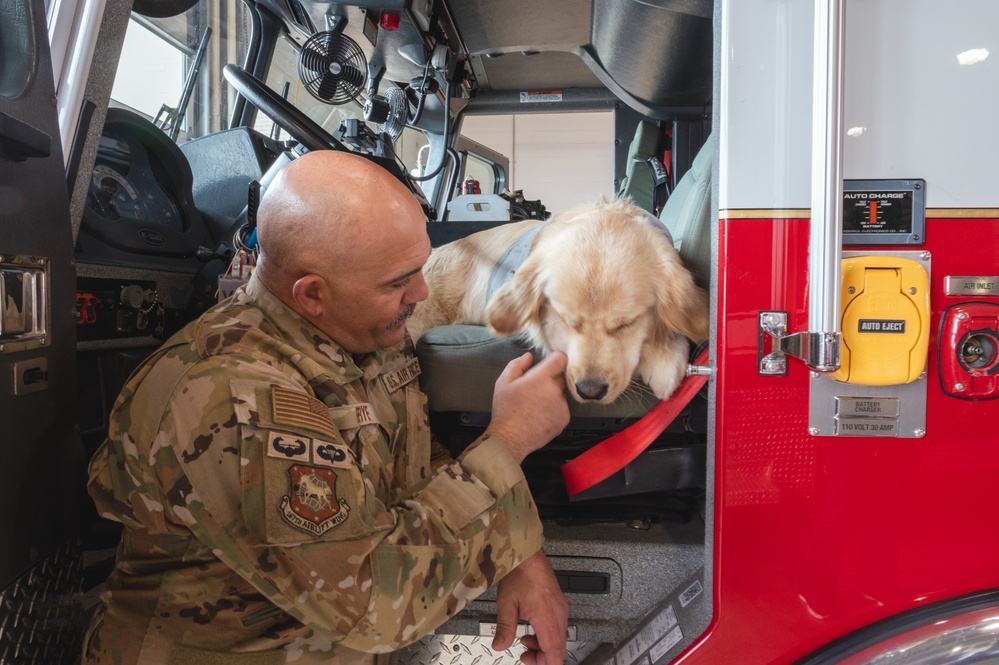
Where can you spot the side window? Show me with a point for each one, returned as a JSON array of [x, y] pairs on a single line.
[[484, 172], [559, 158], [489, 168], [158, 56], [151, 71]]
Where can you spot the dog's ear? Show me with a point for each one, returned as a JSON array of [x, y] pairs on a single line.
[[516, 305], [682, 305]]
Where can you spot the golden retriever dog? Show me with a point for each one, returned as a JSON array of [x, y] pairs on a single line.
[[600, 282]]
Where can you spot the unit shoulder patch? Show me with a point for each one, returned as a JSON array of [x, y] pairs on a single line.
[[312, 504]]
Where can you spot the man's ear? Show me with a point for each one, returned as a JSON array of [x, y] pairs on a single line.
[[308, 294]]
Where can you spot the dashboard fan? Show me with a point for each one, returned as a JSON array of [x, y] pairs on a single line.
[[332, 67], [389, 111]]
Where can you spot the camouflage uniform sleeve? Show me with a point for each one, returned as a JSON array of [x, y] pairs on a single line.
[[259, 475], [439, 456]]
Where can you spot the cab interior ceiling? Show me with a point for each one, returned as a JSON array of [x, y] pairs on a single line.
[[655, 55]]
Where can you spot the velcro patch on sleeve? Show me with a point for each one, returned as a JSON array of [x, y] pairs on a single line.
[[325, 453], [397, 378], [350, 416], [457, 497], [288, 446], [297, 409], [312, 505]]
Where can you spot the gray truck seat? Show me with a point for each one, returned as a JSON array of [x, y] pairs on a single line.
[[637, 182], [687, 215], [460, 365]]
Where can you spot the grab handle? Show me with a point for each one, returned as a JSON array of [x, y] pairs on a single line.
[[819, 346], [826, 227]]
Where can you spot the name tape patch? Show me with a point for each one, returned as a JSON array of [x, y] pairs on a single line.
[[353, 415], [398, 378]]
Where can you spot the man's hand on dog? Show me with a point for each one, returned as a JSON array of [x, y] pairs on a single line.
[[529, 407]]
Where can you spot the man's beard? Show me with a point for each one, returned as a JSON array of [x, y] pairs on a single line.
[[401, 317]]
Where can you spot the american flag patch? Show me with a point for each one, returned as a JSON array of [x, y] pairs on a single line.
[[296, 409]]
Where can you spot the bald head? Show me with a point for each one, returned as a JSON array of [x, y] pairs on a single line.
[[343, 243], [325, 212]]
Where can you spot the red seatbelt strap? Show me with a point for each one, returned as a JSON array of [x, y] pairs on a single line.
[[614, 453]]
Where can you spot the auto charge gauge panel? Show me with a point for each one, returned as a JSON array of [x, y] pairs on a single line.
[[884, 212]]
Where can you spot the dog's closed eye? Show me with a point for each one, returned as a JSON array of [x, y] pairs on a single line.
[[570, 321], [622, 326]]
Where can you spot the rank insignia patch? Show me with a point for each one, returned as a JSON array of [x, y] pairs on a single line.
[[312, 504], [288, 446]]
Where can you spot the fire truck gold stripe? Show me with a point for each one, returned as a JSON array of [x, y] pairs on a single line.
[[962, 213], [765, 213], [805, 213]]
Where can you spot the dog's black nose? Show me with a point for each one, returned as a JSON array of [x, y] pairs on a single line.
[[591, 389]]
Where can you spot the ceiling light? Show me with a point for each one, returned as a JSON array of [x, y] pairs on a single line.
[[972, 56]]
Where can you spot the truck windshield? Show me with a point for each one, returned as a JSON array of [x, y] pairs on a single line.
[[159, 55]]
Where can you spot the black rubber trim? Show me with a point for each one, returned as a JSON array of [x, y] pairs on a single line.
[[900, 623], [162, 8], [87, 110], [19, 140]]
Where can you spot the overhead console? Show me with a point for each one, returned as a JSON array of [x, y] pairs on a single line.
[[559, 47]]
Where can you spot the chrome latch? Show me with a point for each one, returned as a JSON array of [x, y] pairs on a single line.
[[699, 370], [24, 302], [818, 350]]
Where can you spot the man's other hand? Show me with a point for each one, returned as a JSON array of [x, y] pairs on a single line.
[[531, 593], [529, 406]]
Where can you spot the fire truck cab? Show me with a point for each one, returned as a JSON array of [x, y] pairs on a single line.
[[823, 167]]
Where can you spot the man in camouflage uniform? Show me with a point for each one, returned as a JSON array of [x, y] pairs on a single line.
[[272, 465]]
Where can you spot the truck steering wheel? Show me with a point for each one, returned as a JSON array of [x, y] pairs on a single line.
[[299, 126]]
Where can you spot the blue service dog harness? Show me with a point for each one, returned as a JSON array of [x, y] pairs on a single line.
[[517, 252]]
